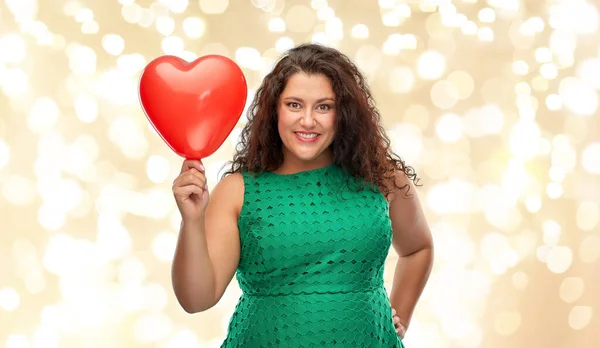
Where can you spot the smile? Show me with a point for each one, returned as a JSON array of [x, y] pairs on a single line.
[[307, 136]]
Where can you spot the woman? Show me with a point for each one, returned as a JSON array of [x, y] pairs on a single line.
[[306, 216]]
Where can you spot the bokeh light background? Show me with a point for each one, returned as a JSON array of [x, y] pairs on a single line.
[[495, 103]]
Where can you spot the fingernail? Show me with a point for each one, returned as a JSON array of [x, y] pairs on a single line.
[[201, 167]]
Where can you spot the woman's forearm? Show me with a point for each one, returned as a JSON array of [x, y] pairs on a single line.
[[411, 275], [192, 272]]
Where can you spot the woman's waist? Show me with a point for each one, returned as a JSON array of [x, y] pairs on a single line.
[[341, 316], [313, 290]]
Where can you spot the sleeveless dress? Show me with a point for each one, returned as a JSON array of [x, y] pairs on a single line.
[[311, 264]]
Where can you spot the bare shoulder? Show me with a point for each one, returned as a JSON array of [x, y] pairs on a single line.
[[409, 224], [402, 188], [229, 191]]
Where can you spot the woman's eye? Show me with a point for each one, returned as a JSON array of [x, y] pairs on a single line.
[[324, 107], [294, 105]]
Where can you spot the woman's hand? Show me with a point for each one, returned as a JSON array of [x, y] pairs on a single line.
[[190, 190], [400, 329]]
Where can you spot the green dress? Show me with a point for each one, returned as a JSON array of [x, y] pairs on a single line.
[[311, 264]]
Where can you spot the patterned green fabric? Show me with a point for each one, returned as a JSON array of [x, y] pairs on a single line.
[[311, 264]]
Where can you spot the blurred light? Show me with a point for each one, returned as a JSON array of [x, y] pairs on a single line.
[[194, 27], [483, 121], [559, 259], [554, 190], [320, 38], [84, 15], [571, 289], [277, 25], [157, 169], [284, 43], [43, 115], [469, 28], [444, 95], [533, 203], [360, 31], [449, 127], [580, 17], [146, 18], [127, 133], [155, 297], [132, 270], [553, 102], [113, 44], [131, 64], [563, 42], [393, 44], [539, 83], [300, 19], [464, 83], [334, 28], [90, 27], [588, 216], [549, 71], [213, 6], [431, 65], [152, 328], [15, 82], [580, 317], [486, 15], [248, 57], [520, 280], [9, 299], [86, 108], [507, 322], [590, 158], [543, 55], [131, 13], [172, 45], [589, 249], [16, 340], [183, 338], [417, 115], [552, 232], [4, 153], [177, 6], [112, 239], [82, 59], [12, 48], [165, 25], [524, 138], [407, 140], [164, 245], [485, 34], [589, 72], [391, 19], [401, 79], [325, 13]]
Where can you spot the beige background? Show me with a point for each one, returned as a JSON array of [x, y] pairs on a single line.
[[495, 103]]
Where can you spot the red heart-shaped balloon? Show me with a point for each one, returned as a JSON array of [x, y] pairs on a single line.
[[193, 105]]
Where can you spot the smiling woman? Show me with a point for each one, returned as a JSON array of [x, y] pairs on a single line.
[[306, 120], [305, 217]]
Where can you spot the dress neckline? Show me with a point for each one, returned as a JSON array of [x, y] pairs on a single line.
[[306, 172]]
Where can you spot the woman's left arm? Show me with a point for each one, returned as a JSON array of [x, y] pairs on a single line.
[[413, 242]]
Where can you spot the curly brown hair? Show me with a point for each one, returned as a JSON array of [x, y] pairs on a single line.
[[360, 146]]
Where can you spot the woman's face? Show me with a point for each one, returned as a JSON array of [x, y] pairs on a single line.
[[306, 116]]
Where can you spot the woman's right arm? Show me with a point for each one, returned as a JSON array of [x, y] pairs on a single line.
[[208, 247]]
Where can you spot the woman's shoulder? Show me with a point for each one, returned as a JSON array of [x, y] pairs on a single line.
[[231, 184]]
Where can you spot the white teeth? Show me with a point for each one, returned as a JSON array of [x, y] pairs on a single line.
[[307, 135]]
